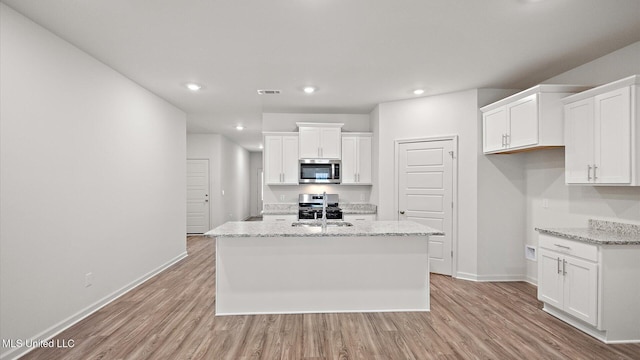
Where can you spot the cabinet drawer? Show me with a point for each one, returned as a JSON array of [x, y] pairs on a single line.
[[569, 247], [280, 218]]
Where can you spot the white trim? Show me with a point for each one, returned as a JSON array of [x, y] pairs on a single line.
[[82, 314], [493, 278], [454, 195], [320, 312]]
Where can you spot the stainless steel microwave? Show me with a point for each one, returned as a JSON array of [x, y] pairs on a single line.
[[319, 171]]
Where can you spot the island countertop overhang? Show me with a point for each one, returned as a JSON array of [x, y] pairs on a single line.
[[362, 228]]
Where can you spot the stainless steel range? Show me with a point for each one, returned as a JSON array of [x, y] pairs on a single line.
[[310, 207]]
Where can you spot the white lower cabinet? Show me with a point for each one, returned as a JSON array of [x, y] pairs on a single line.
[[358, 217], [592, 287], [570, 284], [280, 218]]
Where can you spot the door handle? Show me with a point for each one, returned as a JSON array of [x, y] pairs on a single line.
[[559, 271], [401, 212], [595, 177], [503, 140], [564, 267], [588, 172]]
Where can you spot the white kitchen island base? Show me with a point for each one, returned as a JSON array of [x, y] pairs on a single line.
[[320, 274]]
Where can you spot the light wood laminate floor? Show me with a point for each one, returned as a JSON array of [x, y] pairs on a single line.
[[172, 317]]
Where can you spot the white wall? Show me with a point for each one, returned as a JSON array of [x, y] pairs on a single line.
[[486, 185], [255, 160], [287, 121], [229, 177], [289, 193], [92, 180], [572, 206]]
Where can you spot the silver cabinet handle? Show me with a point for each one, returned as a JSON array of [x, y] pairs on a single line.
[[595, 168], [562, 246], [503, 144], [559, 271], [564, 267], [588, 172]]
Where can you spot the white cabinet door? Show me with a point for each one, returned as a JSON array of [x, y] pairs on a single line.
[[523, 122], [290, 160], [272, 160], [613, 137], [364, 160], [581, 289], [494, 129], [349, 162], [579, 141], [550, 279], [330, 143], [281, 160], [309, 143]]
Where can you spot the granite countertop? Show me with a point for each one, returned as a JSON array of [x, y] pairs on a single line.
[[358, 208], [599, 232], [280, 209], [277, 229], [292, 209]]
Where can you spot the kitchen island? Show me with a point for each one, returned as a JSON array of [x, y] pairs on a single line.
[[277, 268]]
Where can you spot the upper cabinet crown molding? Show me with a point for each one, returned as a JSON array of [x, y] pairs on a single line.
[[527, 120], [602, 130], [320, 140]]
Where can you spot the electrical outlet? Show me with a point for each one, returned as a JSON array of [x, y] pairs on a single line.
[[88, 279], [281, 197], [545, 203], [361, 196]]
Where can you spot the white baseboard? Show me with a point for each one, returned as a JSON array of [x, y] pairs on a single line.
[[80, 315], [491, 278]]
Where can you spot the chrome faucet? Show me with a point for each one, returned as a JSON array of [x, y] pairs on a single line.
[[324, 210]]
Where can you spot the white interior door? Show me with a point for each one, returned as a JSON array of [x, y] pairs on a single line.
[[197, 196], [425, 195]]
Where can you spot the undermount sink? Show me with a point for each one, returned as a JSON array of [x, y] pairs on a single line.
[[319, 224]]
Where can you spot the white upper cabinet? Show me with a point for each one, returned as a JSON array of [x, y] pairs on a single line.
[[320, 140], [602, 128], [356, 158], [527, 120], [281, 158]]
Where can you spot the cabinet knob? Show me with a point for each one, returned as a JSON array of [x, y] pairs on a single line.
[[401, 212]]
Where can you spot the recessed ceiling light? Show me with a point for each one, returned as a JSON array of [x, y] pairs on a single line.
[[239, 127], [418, 91], [261, 146], [309, 89], [193, 86]]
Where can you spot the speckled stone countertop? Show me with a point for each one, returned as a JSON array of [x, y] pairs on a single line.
[[599, 232], [280, 209], [358, 208], [362, 228], [292, 209]]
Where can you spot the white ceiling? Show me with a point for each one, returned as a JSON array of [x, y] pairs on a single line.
[[357, 52]]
